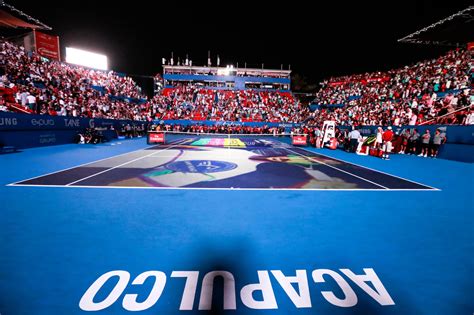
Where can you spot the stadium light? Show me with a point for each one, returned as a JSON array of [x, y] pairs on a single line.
[[86, 58]]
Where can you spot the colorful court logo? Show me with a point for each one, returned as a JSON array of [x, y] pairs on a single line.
[[201, 166], [219, 142]]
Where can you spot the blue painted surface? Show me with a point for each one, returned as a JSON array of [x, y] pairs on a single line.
[[55, 242]]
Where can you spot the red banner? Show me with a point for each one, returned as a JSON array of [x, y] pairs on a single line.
[[363, 81], [156, 138], [470, 46], [47, 45], [337, 83], [299, 140], [378, 79]]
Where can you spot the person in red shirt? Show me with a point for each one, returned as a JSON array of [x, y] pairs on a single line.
[[387, 137], [333, 144]]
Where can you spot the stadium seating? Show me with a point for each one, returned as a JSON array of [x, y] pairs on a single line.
[[436, 91], [192, 102], [50, 87], [422, 93]]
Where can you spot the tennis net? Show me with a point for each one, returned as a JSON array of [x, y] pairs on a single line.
[[225, 140]]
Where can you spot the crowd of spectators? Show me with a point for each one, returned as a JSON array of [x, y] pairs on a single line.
[[408, 141], [192, 102], [437, 91], [217, 129], [51, 87], [426, 92]]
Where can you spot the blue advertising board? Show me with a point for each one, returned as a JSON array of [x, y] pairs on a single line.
[[25, 131]]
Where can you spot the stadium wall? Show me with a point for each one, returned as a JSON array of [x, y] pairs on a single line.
[[26, 131]]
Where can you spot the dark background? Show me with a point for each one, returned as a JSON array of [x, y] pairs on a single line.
[[319, 39]]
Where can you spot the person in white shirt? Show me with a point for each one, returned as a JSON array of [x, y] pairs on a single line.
[[31, 102], [396, 122], [23, 98], [354, 137], [454, 101], [470, 118], [378, 138]]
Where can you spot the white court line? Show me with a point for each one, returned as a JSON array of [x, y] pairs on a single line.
[[230, 189], [213, 156], [319, 162], [80, 165], [120, 165], [372, 169]]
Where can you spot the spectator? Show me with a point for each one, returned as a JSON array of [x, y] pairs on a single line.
[[405, 139], [438, 139], [387, 138], [354, 138], [318, 136], [469, 120], [425, 143], [378, 138], [31, 101], [413, 142]]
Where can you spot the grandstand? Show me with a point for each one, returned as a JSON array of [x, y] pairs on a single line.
[[225, 193], [228, 77], [431, 91]]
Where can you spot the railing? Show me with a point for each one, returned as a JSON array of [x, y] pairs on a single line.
[[19, 108], [445, 115]]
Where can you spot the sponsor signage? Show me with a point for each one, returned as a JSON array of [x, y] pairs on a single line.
[[47, 45], [8, 121], [156, 137], [350, 287], [14, 121], [299, 140], [201, 166]]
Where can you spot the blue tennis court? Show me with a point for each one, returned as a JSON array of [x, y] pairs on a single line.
[[281, 229], [248, 162]]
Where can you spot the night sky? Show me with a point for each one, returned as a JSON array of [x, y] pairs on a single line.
[[319, 39]]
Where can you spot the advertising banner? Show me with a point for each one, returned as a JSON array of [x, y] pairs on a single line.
[[299, 140], [47, 45], [156, 138], [26, 131]]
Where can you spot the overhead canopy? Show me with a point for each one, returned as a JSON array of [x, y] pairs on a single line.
[[10, 17], [455, 30]]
